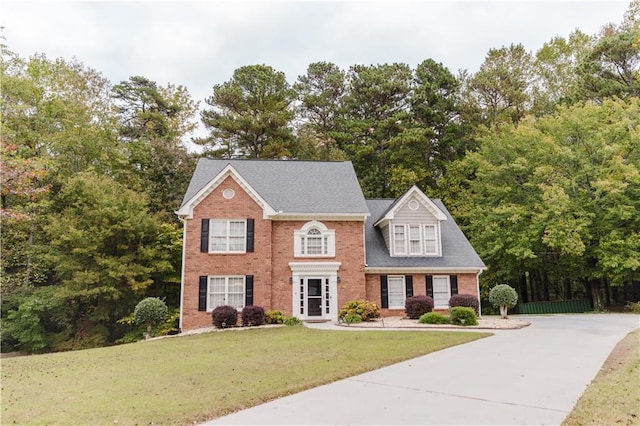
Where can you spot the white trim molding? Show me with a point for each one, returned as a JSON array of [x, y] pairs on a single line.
[[302, 270], [186, 211]]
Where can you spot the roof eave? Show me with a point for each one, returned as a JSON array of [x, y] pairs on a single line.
[[186, 210], [422, 269]]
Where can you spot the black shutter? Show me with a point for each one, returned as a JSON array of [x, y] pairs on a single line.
[[204, 236], [250, 234], [453, 280], [248, 290], [430, 285], [202, 293], [408, 285], [384, 291]]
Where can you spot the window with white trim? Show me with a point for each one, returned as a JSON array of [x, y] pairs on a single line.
[[396, 290], [314, 240], [227, 236], [441, 291], [226, 290], [415, 240]]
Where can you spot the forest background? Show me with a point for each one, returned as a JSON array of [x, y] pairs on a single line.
[[536, 155]]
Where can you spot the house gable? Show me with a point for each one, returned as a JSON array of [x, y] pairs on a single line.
[[414, 201], [411, 226], [186, 210]]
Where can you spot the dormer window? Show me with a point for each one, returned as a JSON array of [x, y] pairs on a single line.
[[415, 240], [314, 240]]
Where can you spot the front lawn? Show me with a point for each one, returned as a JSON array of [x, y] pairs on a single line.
[[190, 379]]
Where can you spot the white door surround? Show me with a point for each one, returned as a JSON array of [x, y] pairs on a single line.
[[314, 292]]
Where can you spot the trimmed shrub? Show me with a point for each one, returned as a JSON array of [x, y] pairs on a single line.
[[150, 312], [416, 306], [433, 318], [352, 319], [224, 316], [252, 316], [504, 297], [364, 309], [292, 321], [274, 317], [468, 300], [461, 315]]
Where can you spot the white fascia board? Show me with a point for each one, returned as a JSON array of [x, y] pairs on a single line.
[[426, 201], [186, 211], [420, 270], [353, 217]]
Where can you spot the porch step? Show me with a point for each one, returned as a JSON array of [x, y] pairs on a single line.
[[316, 321]]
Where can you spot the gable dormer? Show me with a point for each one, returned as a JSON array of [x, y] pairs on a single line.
[[411, 226]]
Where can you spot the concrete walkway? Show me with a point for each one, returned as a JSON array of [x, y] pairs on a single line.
[[532, 375]]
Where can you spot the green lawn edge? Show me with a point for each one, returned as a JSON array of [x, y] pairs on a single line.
[[613, 397], [192, 379]]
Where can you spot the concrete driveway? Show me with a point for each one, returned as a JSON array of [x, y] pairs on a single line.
[[533, 375]]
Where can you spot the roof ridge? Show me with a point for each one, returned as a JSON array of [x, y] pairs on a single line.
[[273, 160]]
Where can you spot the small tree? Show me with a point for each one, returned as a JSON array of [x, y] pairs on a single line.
[[150, 312], [504, 297]]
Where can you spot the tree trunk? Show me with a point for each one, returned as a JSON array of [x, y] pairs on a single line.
[[503, 311], [567, 289], [27, 274], [523, 288], [594, 285]]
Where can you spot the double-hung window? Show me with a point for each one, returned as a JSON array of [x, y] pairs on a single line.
[[227, 236], [441, 291], [226, 290], [415, 240], [399, 239], [396, 287]]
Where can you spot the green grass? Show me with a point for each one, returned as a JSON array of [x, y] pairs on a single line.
[[613, 397], [192, 379]]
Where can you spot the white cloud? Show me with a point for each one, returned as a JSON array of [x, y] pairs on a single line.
[[199, 44]]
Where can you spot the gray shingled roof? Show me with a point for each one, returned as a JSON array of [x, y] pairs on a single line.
[[457, 252], [329, 187]]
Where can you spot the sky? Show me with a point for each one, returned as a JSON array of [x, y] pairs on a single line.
[[199, 44]]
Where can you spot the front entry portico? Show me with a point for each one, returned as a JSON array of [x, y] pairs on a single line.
[[315, 290]]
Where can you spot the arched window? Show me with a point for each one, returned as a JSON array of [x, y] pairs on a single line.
[[314, 240]]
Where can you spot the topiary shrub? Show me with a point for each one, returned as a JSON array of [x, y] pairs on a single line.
[[224, 316], [150, 312], [416, 306], [252, 316], [468, 300], [461, 315], [433, 318], [364, 309], [292, 321], [504, 297], [274, 317]]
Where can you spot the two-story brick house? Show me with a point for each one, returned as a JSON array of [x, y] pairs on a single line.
[[299, 236]]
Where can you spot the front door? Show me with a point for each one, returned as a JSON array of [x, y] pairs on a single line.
[[314, 297]]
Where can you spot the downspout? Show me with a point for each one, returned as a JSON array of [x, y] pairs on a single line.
[[182, 269], [478, 290]]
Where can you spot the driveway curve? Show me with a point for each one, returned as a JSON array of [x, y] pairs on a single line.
[[532, 375]]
